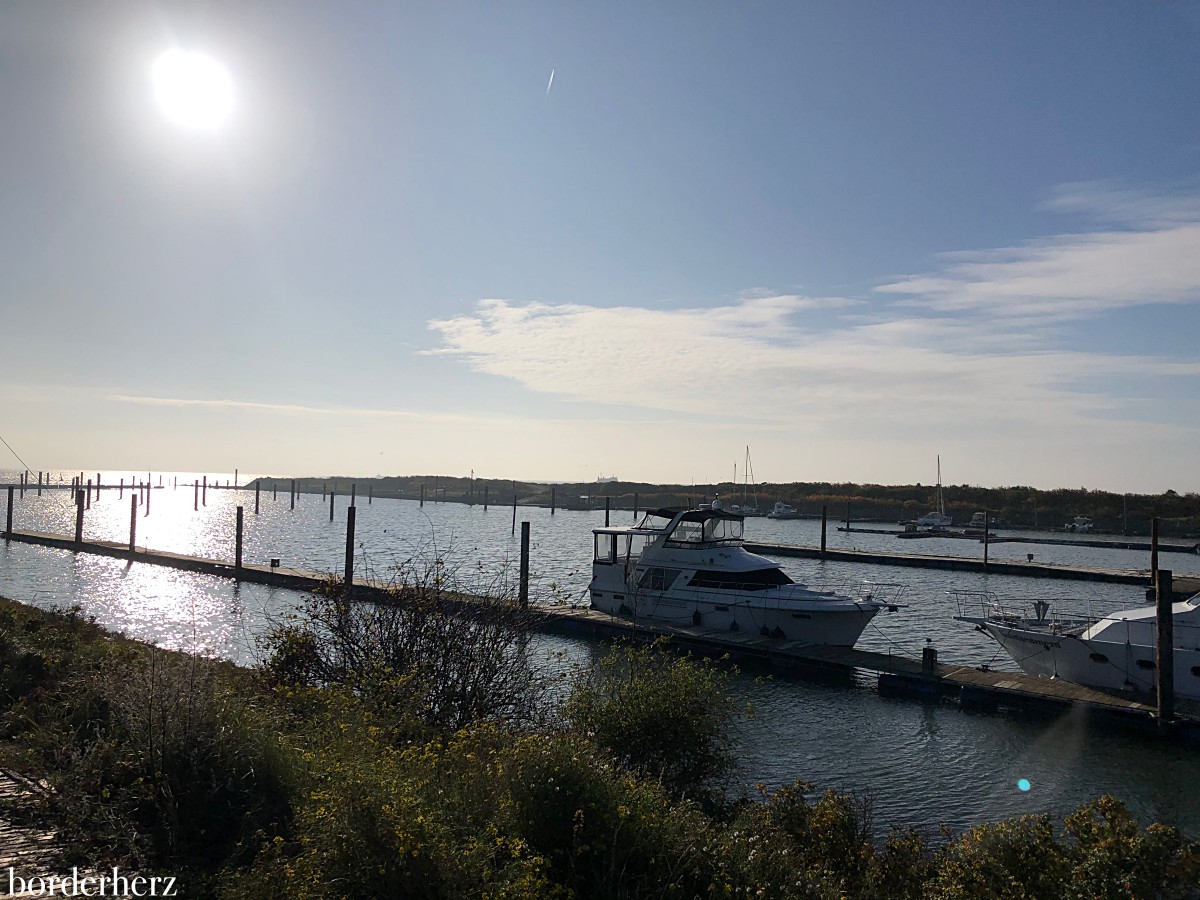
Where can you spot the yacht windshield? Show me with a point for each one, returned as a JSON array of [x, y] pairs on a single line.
[[715, 530]]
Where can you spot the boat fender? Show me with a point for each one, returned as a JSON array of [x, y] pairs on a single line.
[[697, 618], [734, 626]]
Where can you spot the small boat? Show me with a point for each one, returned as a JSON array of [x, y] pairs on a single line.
[[749, 506], [1113, 652], [687, 567], [1079, 525], [936, 518], [783, 510]]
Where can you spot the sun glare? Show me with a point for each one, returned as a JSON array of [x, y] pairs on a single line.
[[192, 90]]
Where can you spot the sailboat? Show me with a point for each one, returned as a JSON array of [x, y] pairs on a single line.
[[936, 518], [746, 507]]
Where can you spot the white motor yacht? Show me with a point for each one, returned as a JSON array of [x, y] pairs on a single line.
[[688, 567], [1115, 651], [783, 510]]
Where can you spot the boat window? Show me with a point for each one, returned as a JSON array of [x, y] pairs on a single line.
[[723, 530], [631, 545], [657, 579], [755, 580], [606, 548], [688, 533]]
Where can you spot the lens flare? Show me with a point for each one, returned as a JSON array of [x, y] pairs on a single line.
[[1024, 784]]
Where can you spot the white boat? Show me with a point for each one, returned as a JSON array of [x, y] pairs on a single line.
[[783, 510], [748, 508], [1079, 525], [937, 518], [688, 567], [1114, 652]]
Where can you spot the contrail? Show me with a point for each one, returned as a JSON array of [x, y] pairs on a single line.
[[550, 83]]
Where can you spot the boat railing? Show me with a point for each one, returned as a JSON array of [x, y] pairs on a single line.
[[1057, 613]]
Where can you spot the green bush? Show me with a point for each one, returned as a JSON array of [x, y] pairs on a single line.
[[661, 716]]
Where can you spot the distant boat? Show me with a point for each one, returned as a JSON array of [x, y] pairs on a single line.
[[937, 518], [1080, 525], [783, 510], [746, 507]]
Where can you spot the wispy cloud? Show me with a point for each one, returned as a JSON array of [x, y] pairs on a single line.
[[983, 343], [1155, 258]]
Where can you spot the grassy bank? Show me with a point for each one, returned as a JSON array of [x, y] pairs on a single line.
[[374, 756]]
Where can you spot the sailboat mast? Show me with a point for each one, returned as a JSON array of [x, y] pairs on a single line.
[[941, 503]]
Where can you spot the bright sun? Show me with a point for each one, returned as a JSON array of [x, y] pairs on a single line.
[[192, 90]]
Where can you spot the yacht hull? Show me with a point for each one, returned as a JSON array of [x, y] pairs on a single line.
[[1095, 663]]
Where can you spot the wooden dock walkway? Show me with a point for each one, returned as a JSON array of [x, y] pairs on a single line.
[[1096, 543], [970, 687]]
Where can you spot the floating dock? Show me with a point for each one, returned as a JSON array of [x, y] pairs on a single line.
[[971, 688]]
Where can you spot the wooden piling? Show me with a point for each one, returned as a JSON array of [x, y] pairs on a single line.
[[195, 496], [635, 504], [235, 477], [370, 493], [21, 482], [1154, 551], [847, 517], [40, 484], [1164, 651], [422, 495], [204, 492], [121, 490], [132, 523], [274, 493], [824, 526], [147, 511], [514, 525], [293, 493], [89, 493], [331, 506], [8, 521], [607, 509], [79, 517], [237, 547], [552, 499], [348, 570], [485, 498], [324, 486], [353, 493], [523, 591], [257, 486], [987, 527]]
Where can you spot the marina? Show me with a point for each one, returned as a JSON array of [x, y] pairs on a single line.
[[918, 746]]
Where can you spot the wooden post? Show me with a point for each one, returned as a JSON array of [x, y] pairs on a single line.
[[79, 517], [8, 525], [147, 512], [1154, 551], [21, 482], [133, 523], [195, 496], [553, 499], [274, 492], [204, 492], [39, 484], [607, 509], [514, 527], [485, 497], [293, 493], [89, 493], [847, 517], [256, 491], [324, 485], [237, 546], [121, 490], [635, 504], [349, 569], [235, 477], [987, 526], [1165, 648], [824, 524], [370, 493], [523, 592], [422, 495], [353, 493], [331, 506]]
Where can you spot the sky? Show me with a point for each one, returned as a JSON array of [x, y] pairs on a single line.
[[558, 241]]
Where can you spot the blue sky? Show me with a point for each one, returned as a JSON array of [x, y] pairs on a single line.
[[852, 236]]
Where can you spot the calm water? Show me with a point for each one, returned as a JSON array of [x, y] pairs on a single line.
[[924, 765]]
